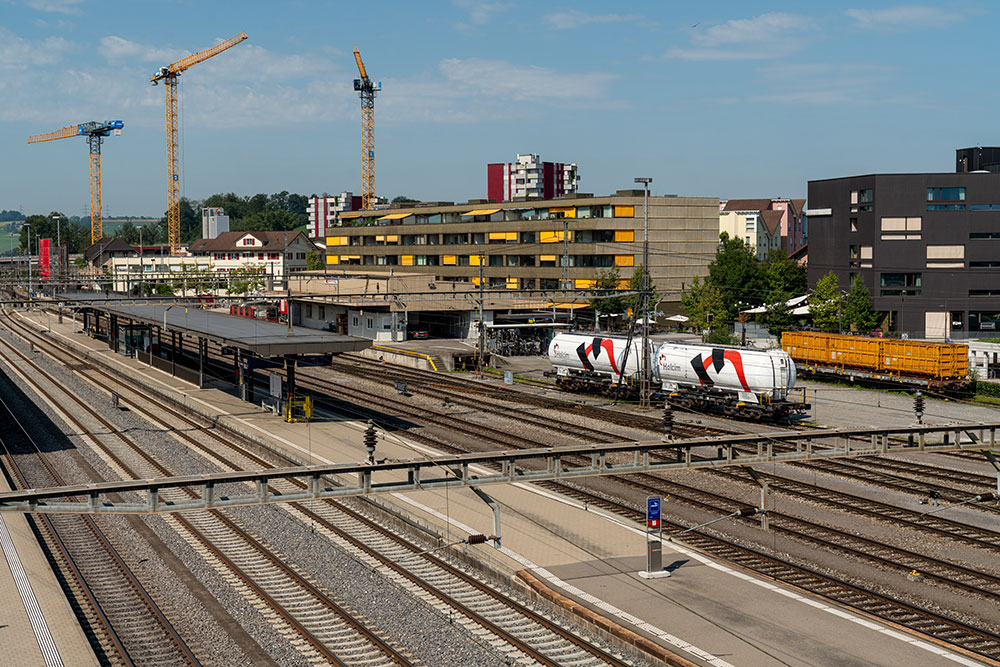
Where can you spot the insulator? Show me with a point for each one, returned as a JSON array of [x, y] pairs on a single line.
[[985, 497], [748, 511], [477, 539], [668, 418], [370, 439]]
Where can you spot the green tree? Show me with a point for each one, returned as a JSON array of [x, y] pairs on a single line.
[[826, 303], [190, 222], [266, 221], [706, 310], [778, 317], [314, 261], [129, 233], [246, 279], [858, 307], [737, 276], [783, 276], [634, 301], [607, 281], [402, 199]]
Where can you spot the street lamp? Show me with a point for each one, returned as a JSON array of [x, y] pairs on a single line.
[[29, 261], [644, 378]]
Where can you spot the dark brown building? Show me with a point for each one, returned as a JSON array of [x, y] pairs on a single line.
[[926, 245]]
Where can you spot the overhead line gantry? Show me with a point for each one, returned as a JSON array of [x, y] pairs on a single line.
[[169, 75], [95, 133]]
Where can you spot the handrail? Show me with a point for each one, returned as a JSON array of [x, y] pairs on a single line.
[[407, 353]]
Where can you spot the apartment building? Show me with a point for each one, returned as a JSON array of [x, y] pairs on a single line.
[[542, 245], [530, 178], [324, 212], [747, 219], [926, 245]]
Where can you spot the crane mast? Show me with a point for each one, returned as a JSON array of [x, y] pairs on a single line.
[[169, 76], [95, 133], [367, 89]]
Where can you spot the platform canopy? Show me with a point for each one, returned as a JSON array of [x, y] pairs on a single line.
[[258, 337]]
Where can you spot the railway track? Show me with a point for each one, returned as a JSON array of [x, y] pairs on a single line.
[[120, 617], [527, 634], [307, 611]]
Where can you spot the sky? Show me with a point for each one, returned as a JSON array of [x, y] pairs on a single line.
[[723, 99]]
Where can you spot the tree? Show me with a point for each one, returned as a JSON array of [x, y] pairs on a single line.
[[607, 281], [190, 222], [246, 279], [129, 233], [634, 301], [778, 317], [314, 261], [826, 303], [858, 307], [783, 276], [266, 221], [737, 276], [707, 311], [403, 200]]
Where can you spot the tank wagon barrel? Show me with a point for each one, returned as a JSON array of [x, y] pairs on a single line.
[[737, 382]]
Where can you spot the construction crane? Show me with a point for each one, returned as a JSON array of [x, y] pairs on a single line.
[[95, 133], [169, 76], [366, 89]]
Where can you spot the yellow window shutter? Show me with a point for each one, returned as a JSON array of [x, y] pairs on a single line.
[[406, 260], [333, 259], [624, 260], [624, 211], [448, 260], [624, 236], [583, 284]]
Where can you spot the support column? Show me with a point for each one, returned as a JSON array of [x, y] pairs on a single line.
[[173, 353], [201, 362], [290, 375]]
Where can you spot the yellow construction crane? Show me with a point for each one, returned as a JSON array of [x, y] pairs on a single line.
[[366, 89], [169, 76], [95, 133]]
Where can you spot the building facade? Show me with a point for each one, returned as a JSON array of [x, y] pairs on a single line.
[[759, 229], [979, 158], [543, 245], [214, 221], [530, 178], [926, 245], [324, 212], [274, 255]]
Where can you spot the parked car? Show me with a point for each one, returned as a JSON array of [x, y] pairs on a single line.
[[420, 334]]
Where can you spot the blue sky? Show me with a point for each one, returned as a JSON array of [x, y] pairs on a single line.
[[728, 99]]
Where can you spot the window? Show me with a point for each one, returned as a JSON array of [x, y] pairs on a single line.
[[260, 255], [624, 236], [984, 235], [988, 264], [496, 260], [900, 284], [546, 260], [527, 237], [309, 310], [478, 238], [866, 196], [945, 194], [624, 211], [371, 323], [854, 224], [354, 321], [322, 312], [946, 207]]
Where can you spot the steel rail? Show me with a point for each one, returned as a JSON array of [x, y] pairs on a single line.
[[299, 580]]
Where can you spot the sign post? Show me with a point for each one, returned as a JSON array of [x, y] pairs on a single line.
[[654, 544]]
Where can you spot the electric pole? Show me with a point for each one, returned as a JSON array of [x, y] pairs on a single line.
[[482, 324], [644, 379]]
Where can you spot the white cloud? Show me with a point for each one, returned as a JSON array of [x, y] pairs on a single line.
[[61, 6], [122, 51], [498, 78], [574, 18], [17, 53], [903, 17], [480, 11], [827, 83], [762, 37]]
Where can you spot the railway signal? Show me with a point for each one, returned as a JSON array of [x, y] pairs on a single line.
[[918, 407]]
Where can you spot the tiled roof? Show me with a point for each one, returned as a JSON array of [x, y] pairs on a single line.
[[748, 205], [105, 247], [227, 242], [773, 220]]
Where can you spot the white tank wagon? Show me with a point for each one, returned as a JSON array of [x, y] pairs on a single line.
[[737, 381], [595, 363], [757, 384]]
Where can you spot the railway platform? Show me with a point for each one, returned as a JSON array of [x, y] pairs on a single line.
[[707, 613], [37, 626]]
